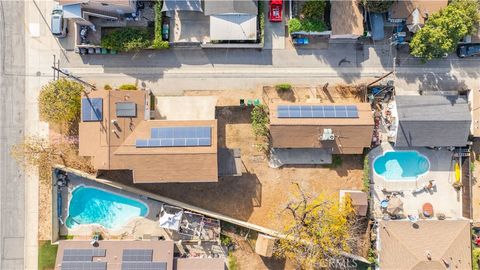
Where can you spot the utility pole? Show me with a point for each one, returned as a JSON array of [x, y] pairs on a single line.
[[74, 77]]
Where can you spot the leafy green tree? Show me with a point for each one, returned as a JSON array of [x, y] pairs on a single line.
[[377, 6], [59, 101], [443, 30]]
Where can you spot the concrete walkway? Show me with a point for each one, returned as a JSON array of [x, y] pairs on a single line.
[[35, 41]]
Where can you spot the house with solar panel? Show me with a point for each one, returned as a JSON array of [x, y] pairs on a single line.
[[117, 132], [310, 133], [129, 255]]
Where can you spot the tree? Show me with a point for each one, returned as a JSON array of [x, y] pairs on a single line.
[[59, 101], [443, 30], [43, 153], [321, 230], [377, 6]]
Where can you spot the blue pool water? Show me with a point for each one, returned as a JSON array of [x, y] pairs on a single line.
[[401, 165], [90, 205]]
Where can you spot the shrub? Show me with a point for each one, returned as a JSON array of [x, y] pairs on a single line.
[[336, 161], [160, 44], [128, 86], [314, 10], [476, 257], [232, 262], [260, 120], [296, 25], [107, 87], [59, 101], [127, 39], [366, 175], [283, 87]]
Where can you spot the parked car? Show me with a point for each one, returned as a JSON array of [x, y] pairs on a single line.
[[275, 10], [58, 23], [467, 50]]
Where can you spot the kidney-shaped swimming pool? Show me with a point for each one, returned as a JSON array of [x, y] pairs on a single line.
[[89, 205], [401, 165]]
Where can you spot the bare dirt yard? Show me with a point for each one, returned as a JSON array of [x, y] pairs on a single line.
[[261, 193]]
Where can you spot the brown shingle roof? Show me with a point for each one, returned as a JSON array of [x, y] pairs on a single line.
[[352, 135], [346, 18], [404, 9], [428, 245], [112, 144]]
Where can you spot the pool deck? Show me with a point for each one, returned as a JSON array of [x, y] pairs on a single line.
[[444, 198]]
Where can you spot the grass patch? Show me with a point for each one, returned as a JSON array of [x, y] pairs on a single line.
[[47, 254]]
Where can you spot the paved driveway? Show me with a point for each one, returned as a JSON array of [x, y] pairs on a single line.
[[274, 32]]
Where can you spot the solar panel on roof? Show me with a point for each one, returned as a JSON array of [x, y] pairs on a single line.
[[84, 266], [137, 255], [82, 254], [317, 111], [126, 109], [144, 265], [92, 109], [177, 137]]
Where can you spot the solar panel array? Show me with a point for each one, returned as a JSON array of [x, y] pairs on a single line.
[[144, 266], [317, 111], [177, 137], [85, 255], [84, 266], [137, 255], [92, 109], [126, 109]]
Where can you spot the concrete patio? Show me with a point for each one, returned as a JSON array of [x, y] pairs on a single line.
[[444, 198]]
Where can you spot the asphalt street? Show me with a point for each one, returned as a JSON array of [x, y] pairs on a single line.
[[12, 181]]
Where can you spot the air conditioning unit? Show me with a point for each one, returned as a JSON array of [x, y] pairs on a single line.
[[328, 135]]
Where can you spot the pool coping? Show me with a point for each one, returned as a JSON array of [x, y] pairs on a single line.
[[70, 193], [400, 180]]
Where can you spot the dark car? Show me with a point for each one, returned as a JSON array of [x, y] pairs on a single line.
[[467, 50]]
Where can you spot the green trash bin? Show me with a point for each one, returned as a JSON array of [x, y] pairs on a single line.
[[113, 52], [104, 51], [256, 102]]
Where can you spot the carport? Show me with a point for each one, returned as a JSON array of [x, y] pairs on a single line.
[[188, 23]]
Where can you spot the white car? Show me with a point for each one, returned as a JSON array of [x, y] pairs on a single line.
[[58, 23]]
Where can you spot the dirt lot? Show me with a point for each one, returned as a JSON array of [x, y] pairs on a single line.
[[260, 194]]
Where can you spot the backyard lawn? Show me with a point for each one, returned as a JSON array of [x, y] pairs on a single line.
[[46, 255]]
